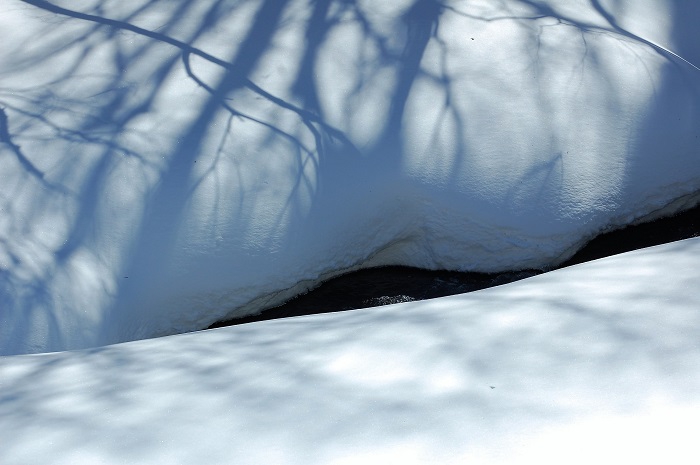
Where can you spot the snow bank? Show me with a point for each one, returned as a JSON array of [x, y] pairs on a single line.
[[597, 363], [169, 164]]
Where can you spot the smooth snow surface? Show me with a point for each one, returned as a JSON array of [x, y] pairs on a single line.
[[164, 165], [594, 364]]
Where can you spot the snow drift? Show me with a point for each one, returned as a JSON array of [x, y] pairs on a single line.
[[169, 164]]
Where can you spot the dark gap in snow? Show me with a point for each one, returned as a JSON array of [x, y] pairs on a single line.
[[381, 286], [387, 285], [683, 225]]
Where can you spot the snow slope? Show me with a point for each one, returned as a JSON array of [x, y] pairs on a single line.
[[596, 363], [168, 164]]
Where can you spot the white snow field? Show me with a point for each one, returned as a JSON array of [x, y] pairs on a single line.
[[164, 165], [593, 364]]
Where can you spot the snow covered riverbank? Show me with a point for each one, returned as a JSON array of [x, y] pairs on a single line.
[[166, 165], [596, 363], [387, 285]]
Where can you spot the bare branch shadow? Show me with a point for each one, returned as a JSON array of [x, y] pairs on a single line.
[[109, 139]]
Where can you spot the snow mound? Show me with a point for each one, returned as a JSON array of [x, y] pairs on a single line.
[[165, 165]]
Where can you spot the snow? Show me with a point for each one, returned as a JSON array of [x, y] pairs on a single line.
[[169, 164], [596, 363], [164, 165]]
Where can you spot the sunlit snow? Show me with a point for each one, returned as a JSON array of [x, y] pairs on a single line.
[[169, 164], [165, 165], [597, 363]]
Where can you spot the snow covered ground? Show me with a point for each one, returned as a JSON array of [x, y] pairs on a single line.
[[596, 363], [164, 165]]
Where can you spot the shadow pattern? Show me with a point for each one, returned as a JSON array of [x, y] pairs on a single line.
[[102, 180]]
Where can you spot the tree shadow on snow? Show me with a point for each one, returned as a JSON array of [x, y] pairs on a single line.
[[152, 48]]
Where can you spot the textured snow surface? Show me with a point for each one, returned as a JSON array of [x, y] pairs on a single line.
[[164, 165], [597, 363]]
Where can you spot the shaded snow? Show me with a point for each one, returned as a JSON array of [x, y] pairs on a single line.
[[170, 164], [164, 165], [596, 363]]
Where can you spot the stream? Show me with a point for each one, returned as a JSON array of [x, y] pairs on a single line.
[[393, 284]]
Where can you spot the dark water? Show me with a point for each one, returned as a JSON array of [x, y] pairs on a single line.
[[393, 284]]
